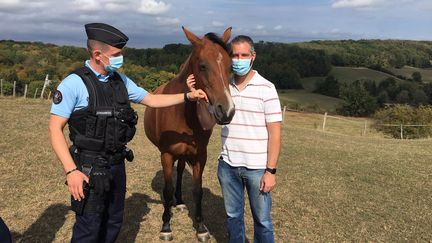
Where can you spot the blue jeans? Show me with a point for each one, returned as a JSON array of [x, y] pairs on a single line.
[[233, 180]]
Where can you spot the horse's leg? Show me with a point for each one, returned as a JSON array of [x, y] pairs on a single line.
[[198, 169], [178, 192], [167, 165]]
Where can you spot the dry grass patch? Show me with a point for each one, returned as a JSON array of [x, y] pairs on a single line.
[[331, 187]]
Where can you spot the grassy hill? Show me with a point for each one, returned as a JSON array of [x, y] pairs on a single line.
[[407, 72], [304, 100], [332, 186], [350, 74]]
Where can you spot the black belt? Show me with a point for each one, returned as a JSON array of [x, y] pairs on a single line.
[[100, 158]]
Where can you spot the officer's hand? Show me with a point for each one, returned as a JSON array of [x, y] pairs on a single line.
[[190, 82], [75, 184], [197, 94], [268, 182]]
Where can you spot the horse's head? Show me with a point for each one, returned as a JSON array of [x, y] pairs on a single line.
[[211, 64]]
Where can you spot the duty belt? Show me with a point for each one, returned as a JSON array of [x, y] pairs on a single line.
[[95, 158]]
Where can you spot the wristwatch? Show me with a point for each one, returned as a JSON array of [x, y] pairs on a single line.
[[271, 170], [186, 96]]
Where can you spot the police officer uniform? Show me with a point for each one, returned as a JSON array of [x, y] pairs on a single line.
[[101, 122]]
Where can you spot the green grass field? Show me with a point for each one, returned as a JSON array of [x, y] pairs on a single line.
[[351, 74], [407, 72], [332, 186], [304, 100]]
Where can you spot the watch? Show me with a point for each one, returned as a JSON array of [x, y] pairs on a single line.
[[271, 170], [186, 96]]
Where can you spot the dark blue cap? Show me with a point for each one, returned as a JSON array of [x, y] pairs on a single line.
[[107, 34]]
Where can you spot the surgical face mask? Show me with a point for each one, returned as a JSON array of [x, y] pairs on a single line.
[[241, 66], [114, 63]]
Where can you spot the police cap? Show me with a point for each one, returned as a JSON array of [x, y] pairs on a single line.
[[106, 34]]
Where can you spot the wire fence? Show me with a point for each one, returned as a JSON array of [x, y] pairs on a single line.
[[353, 126], [38, 92]]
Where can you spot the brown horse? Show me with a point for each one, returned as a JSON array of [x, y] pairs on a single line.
[[178, 131]]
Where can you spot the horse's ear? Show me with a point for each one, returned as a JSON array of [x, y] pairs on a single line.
[[192, 37], [226, 35]]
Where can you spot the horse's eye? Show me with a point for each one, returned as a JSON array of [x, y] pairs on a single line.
[[202, 67]]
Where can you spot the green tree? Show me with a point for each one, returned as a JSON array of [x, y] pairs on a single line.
[[403, 97], [330, 86], [419, 97], [357, 101], [417, 77]]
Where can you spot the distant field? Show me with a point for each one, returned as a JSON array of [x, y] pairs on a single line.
[[304, 100], [351, 74], [407, 72], [333, 186]]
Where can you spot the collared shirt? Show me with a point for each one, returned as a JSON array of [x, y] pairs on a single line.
[[74, 94], [245, 139]]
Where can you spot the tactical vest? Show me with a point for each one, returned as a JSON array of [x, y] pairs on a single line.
[[107, 124]]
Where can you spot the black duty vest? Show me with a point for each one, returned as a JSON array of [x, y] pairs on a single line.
[[107, 124]]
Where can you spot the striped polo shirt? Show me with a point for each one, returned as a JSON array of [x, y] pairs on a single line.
[[244, 140]]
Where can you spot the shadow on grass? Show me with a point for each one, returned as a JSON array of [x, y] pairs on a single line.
[[46, 226], [136, 207], [212, 205]]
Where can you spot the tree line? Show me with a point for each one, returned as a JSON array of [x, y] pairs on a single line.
[[282, 63]]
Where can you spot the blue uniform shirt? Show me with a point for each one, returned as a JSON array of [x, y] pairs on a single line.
[[74, 96]]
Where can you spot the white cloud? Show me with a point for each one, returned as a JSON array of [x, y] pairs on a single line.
[[116, 7], [354, 3], [278, 27], [87, 5], [167, 21], [9, 3], [259, 27], [153, 7], [217, 24]]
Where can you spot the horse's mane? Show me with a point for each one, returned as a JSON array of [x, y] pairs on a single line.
[[216, 39], [212, 37]]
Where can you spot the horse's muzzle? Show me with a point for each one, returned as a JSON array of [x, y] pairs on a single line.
[[223, 115]]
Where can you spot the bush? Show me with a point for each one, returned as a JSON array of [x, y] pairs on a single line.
[[7, 88], [405, 115], [357, 101], [330, 86]]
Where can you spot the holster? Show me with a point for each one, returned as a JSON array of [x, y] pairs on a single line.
[[91, 203]]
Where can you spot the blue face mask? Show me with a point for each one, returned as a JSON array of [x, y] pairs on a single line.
[[114, 64], [241, 66]]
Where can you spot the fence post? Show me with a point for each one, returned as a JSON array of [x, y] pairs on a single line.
[[44, 86], [25, 91], [14, 88], [1, 87], [401, 130], [365, 127], [324, 121], [34, 97], [283, 114]]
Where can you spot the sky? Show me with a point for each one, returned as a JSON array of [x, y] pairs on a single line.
[[155, 23]]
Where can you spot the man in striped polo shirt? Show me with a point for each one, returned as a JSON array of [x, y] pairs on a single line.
[[250, 146]]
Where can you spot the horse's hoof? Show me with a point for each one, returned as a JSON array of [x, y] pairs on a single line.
[[166, 236], [203, 237], [181, 207]]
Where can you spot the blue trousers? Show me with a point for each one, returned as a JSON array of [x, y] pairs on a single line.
[[105, 226], [233, 181], [5, 235]]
